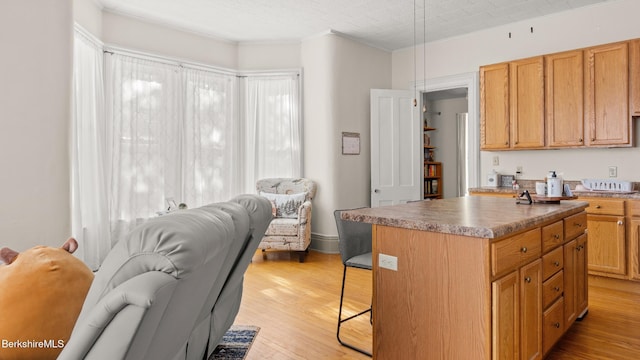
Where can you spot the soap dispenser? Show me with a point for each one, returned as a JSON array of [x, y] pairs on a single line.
[[554, 185]]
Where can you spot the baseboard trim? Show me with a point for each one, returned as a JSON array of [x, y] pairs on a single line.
[[324, 243], [615, 284]]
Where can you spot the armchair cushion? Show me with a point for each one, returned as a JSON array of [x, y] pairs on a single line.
[[286, 205]]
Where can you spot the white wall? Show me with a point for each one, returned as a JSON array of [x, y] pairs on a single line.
[[338, 76], [88, 14], [158, 39], [591, 25], [269, 56], [35, 98]]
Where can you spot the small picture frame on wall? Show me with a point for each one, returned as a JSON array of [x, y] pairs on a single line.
[[350, 143]]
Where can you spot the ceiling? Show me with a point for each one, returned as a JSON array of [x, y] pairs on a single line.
[[386, 24]]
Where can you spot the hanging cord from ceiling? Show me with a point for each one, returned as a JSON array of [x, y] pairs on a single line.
[[415, 73]]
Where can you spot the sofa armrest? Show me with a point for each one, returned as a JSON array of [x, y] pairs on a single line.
[[104, 328]]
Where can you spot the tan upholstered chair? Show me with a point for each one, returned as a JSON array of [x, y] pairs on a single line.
[[290, 230]]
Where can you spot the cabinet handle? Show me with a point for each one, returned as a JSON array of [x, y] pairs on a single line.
[[620, 222], [557, 325], [557, 288], [577, 224], [556, 263], [593, 139], [524, 249], [580, 140], [527, 279], [598, 206], [556, 236], [579, 247]]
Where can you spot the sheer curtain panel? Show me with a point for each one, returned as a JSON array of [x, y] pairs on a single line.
[[90, 218], [272, 127], [211, 141], [144, 129]]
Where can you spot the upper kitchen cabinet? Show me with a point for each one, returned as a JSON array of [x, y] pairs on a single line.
[[564, 99], [634, 76], [607, 95], [579, 98], [526, 89], [512, 105], [494, 107]]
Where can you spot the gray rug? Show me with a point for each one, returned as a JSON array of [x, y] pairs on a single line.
[[235, 343]]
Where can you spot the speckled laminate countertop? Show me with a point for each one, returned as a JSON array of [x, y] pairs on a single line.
[[476, 216], [633, 195]]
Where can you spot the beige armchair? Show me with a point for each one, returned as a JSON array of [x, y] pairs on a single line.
[[290, 230]]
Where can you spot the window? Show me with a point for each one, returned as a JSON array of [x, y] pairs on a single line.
[[173, 130]]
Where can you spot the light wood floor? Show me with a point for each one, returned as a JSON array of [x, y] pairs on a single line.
[[296, 307]]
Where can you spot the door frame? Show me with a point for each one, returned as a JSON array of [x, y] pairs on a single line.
[[470, 81]]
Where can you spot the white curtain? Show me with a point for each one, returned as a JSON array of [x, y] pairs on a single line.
[[144, 129], [90, 218], [272, 127], [156, 130], [211, 142]]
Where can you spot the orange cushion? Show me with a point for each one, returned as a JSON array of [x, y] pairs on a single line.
[[41, 294]]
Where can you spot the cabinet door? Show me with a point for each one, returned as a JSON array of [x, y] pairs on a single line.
[[607, 95], [582, 285], [531, 311], [634, 248], [607, 245], [505, 317], [526, 105], [564, 99], [494, 107], [634, 76], [575, 279]]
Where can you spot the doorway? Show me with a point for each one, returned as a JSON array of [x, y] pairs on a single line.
[[452, 106]]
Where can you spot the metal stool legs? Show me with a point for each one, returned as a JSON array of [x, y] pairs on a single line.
[[341, 320]]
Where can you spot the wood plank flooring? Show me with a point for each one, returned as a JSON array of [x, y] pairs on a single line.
[[296, 307]]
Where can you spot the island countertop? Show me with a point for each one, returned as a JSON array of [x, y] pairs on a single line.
[[476, 216]]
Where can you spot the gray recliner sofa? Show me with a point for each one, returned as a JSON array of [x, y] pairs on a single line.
[[172, 287]]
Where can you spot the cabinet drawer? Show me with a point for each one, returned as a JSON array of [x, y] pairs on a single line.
[[509, 253], [552, 262], [552, 236], [552, 325], [632, 207], [552, 289], [575, 225], [605, 206]]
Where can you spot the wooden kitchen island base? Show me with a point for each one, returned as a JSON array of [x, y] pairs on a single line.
[[475, 277]]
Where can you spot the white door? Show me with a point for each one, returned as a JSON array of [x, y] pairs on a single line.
[[396, 148]]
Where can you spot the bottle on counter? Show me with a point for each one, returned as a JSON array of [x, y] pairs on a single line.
[[554, 185]]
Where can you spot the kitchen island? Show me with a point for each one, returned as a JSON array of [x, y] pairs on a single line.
[[475, 277]]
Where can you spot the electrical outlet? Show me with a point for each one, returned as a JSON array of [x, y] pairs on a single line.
[[496, 160], [388, 262], [613, 171], [518, 171]]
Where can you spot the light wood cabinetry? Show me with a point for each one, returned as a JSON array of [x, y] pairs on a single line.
[[633, 221], [607, 237], [526, 92], [607, 93], [634, 77], [531, 310], [564, 99], [578, 98], [517, 283], [512, 105], [494, 107]]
